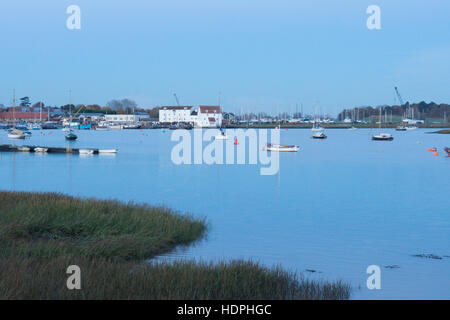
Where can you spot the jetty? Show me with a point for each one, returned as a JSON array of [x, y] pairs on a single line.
[[13, 148]]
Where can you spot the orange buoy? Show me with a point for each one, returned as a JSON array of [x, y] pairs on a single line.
[[236, 142], [429, 149], [436, 153]]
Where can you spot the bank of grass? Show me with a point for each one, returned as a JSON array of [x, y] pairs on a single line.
[[41, 234], [443, 131]]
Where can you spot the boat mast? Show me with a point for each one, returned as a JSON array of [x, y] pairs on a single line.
[[14, 108]]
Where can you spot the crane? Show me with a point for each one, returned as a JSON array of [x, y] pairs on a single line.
[[399, 96], [408, 111], [176, 98]]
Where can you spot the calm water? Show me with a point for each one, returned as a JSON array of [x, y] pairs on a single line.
[[337, 206]]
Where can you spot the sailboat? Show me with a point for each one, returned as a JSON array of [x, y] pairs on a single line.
[[15, 133], [382, 136], [221, 136], [70, 135]]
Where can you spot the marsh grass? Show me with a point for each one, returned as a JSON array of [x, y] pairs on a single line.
[[41, 234], [49, 225]]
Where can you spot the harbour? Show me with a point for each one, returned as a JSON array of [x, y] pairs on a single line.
[[335, 207]]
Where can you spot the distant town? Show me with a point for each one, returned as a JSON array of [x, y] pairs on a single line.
[[126, 114]]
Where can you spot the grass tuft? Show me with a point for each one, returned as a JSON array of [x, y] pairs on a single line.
[[41, 234]]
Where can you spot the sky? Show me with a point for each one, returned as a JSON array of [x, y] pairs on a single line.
[[269, 56]]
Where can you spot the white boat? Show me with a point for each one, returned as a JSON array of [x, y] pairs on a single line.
[[352, 128], [40, 150], [66, 129], [319, 135], [282, 148], [107, 151], [411, 128], [16, 134], [86, 151], [23, 149], [221, 136], [115, 127], [383, 136]]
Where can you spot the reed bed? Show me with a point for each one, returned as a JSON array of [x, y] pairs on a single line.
[[41, 234]]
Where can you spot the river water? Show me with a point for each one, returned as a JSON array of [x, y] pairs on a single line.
[[336, 206]]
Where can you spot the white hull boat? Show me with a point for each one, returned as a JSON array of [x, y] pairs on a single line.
[[16, 135], [23, 149], [282, 148], [319, 135], [383, 137], [40, 150], [107, 151], [86, 151]]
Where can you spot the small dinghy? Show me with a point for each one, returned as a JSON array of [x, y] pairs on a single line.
[[86, 151], [447, 150], [16, 134], [71, 136], [282, 148], [109, 151], [383, 137], [40, 150], [23, 149], [221, 136], [319, 135]]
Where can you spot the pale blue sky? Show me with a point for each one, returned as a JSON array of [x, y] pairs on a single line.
[[261, 55]]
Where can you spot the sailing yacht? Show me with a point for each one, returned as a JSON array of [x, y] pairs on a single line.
[[15, 133], [382, 136]]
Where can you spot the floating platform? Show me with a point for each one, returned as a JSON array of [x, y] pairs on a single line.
[[11, 148]]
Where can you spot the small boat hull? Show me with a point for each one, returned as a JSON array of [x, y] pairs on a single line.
[[383, 137], [282, 148], [107, 151], [320, 135], [71, 136], [86, 151], [16, 136]]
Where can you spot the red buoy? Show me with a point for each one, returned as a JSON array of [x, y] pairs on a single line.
[[236, 142]]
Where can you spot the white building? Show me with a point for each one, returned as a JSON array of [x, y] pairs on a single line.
[[126, 118], [170, 114], [205, 116], [209, 116]]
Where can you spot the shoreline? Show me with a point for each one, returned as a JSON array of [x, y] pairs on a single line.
[[111, 242]]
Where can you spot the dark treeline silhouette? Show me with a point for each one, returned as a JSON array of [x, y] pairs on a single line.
[[421, 111]]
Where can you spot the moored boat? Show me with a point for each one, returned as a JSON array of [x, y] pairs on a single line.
[[447, 150], [319, 135], [109, 151], [40, 150], [71, 136], [86, 151], [383, 137], [221, 136], [16, 134], [23, 149], [282, 148]]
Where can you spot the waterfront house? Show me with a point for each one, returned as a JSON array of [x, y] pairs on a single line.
[[209, 116], [175, 114]]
